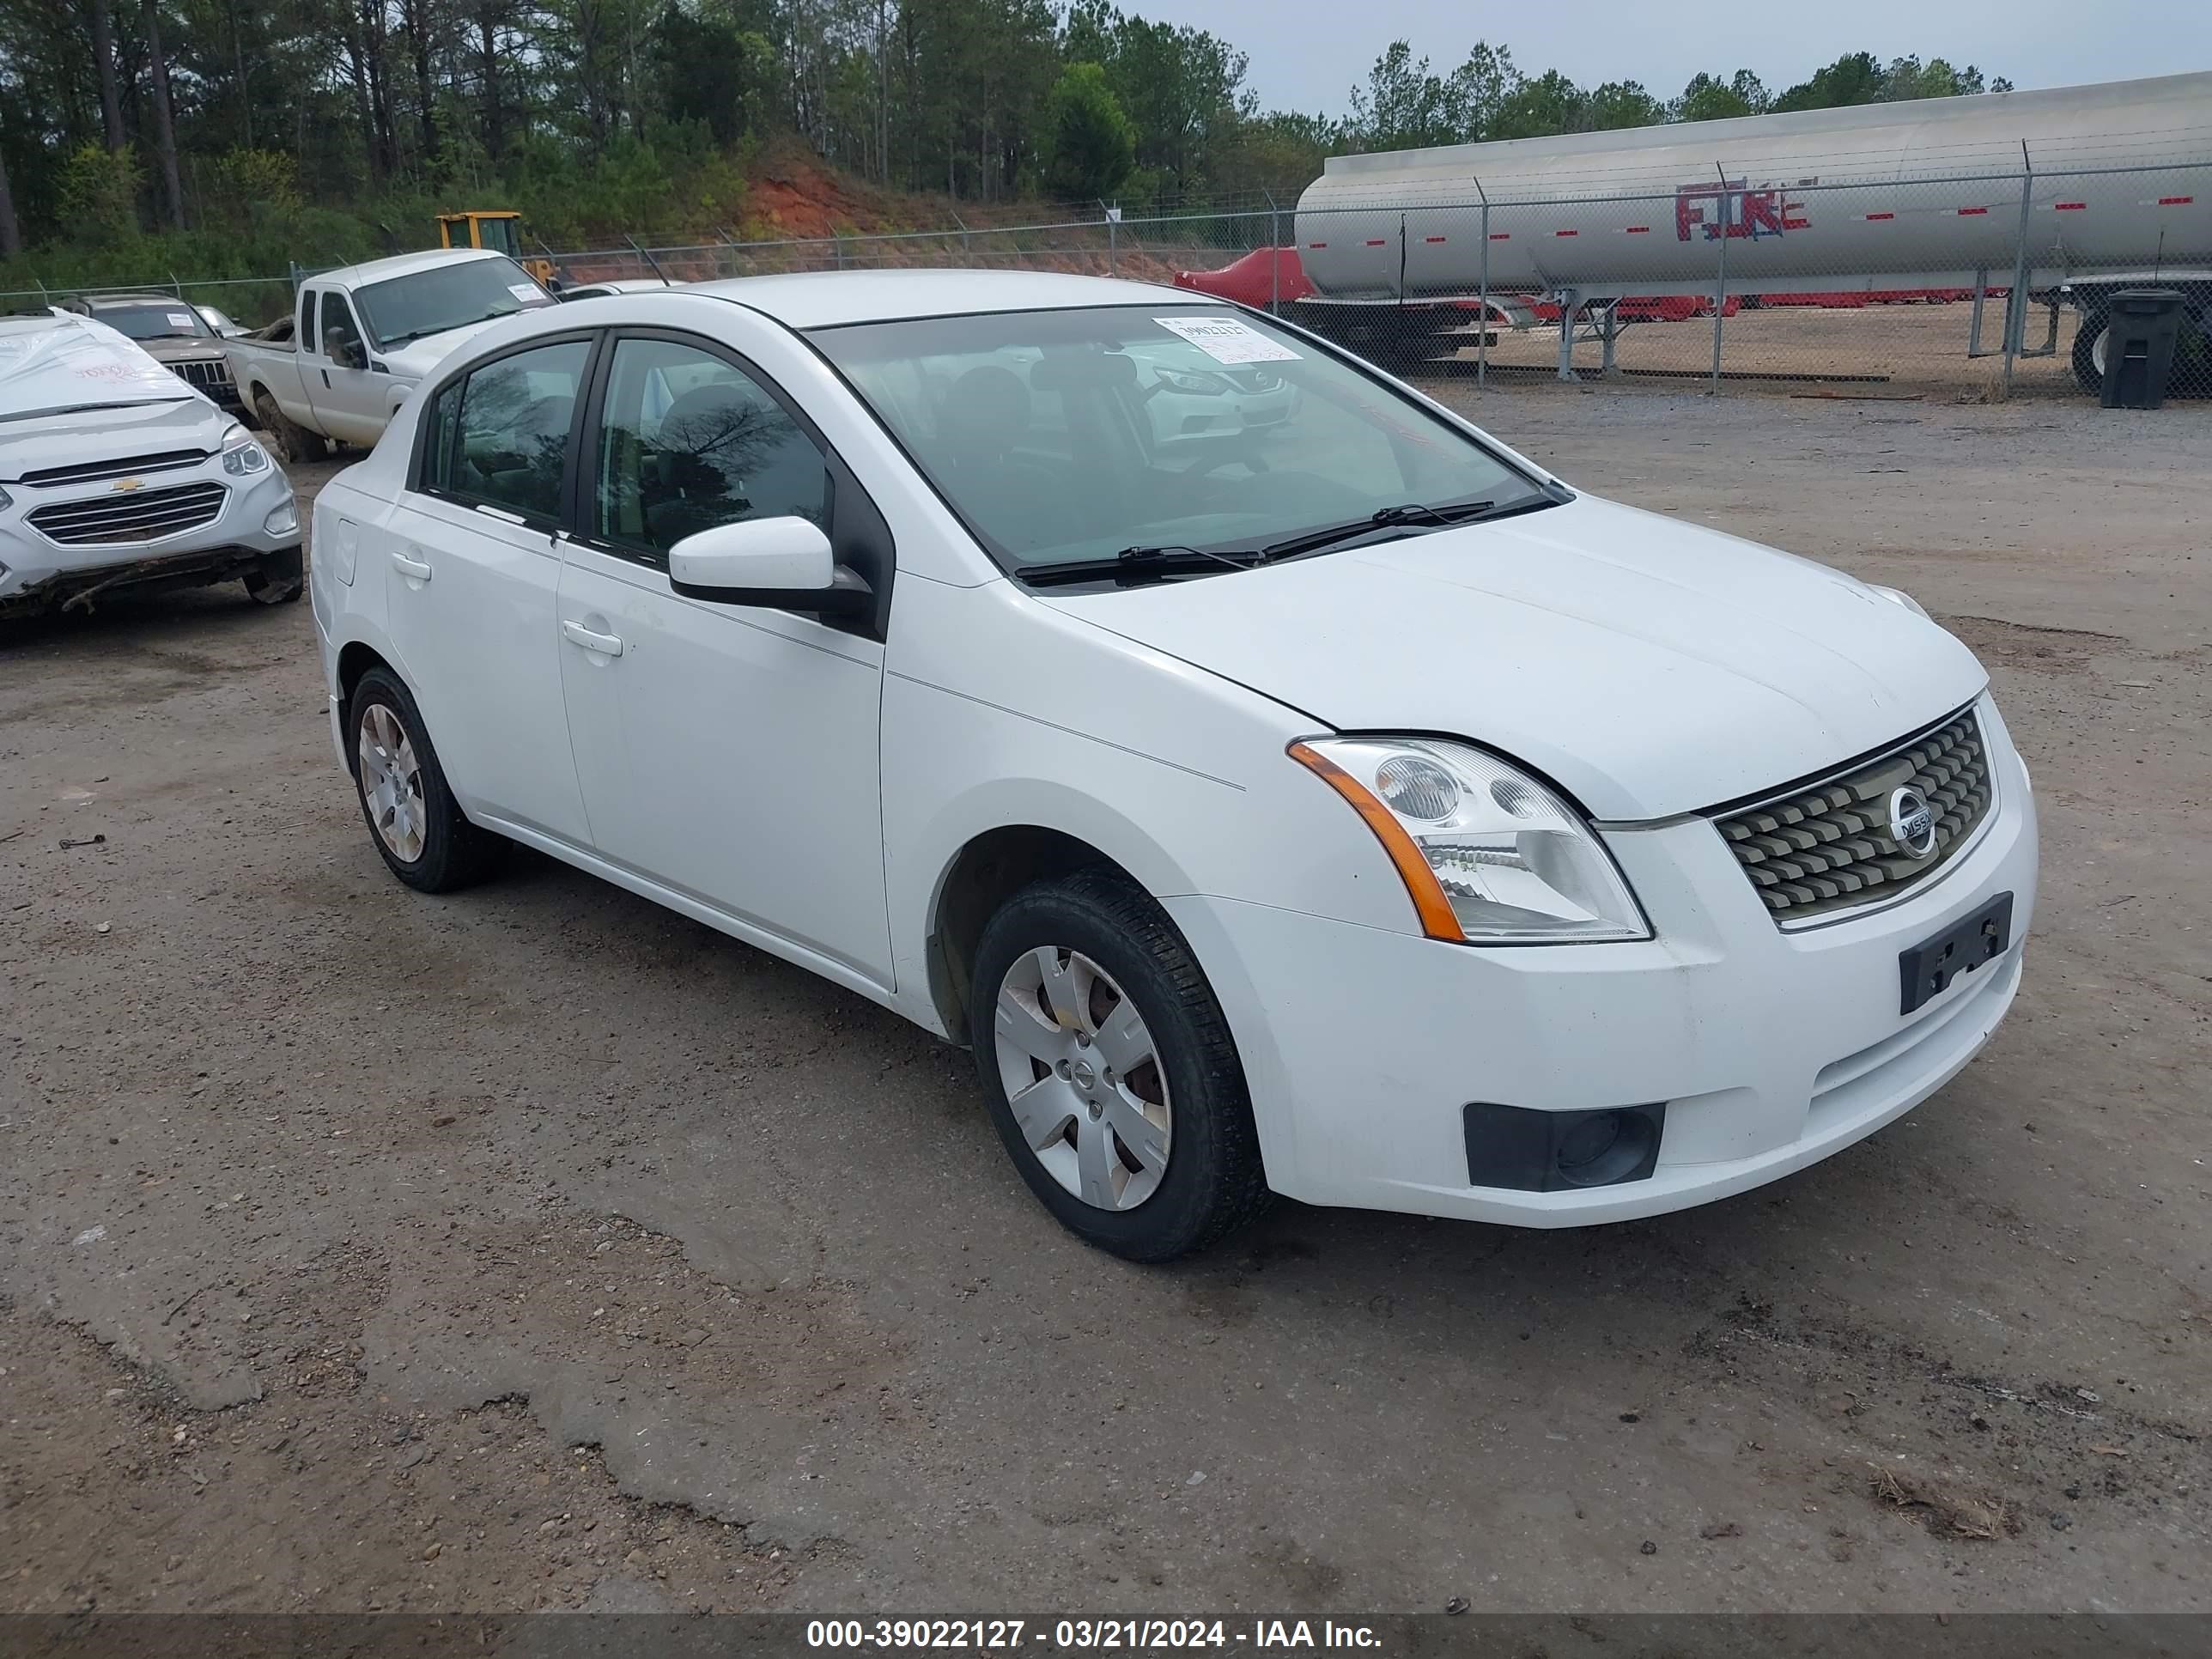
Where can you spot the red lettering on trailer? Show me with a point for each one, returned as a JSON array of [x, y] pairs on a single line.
[[1965, 212], [1501, 235], [1432, 239], [1566, 233], [2175, 201], [1741, 212], [2070, 207], [1638, 230], [1317, 244], [1375, 241], [1882, 216]]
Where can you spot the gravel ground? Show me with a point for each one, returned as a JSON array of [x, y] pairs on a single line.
[[535, 1247]]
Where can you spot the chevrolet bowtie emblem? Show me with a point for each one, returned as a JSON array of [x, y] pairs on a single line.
[[128, 483]]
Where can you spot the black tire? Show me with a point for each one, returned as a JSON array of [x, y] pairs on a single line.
[[279, 578], [1212, 1183], [293, 442], [454, 853], [2086, 374]]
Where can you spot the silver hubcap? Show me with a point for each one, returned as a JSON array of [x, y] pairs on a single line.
[[1083, 1078], [392, 783], [2097, 351]]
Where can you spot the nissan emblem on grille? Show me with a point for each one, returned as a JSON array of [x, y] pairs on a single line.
[[1910, 824], [1870, 832]]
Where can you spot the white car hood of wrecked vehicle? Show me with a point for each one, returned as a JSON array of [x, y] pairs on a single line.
[[1651, 667], [119, 399]]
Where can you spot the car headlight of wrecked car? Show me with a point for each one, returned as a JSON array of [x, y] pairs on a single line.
[[242, 456], [1488, 854]]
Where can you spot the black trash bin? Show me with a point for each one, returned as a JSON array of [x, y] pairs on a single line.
[[2143, 331]]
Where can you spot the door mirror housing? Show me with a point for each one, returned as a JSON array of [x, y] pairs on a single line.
[[783, 563], [346, 351]]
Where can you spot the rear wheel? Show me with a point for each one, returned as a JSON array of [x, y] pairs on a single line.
[[292, 441], [1110, 1070], [419, 831]]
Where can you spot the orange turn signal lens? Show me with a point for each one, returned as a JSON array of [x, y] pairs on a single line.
[[1430, 904]]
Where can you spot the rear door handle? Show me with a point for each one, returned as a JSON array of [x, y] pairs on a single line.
[[413, 569], [607, 645]]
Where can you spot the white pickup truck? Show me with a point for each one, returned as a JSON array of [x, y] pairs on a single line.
[[359, 339]]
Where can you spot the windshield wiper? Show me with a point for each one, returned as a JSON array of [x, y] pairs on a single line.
[[1439, 515], [1135, 565]]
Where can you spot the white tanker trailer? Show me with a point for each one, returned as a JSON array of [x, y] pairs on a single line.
[[2070, 194]]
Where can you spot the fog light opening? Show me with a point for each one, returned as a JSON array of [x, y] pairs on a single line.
[[1604, 1147]]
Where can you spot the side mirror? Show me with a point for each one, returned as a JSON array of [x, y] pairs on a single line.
[[347, 352], [785, 563]]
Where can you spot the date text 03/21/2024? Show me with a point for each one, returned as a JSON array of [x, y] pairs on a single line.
[[1085, 1634]]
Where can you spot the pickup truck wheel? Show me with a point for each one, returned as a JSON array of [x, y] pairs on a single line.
[[278, 578], [1110, 1070], [418, 829], [292, 441]]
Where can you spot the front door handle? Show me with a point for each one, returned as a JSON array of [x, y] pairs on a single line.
[[607, 645], [413, 569]]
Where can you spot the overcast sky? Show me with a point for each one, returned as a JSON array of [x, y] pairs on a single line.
[[1306, 54]]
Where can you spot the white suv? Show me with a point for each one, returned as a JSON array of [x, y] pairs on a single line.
[[116, 477], [1352, 812]]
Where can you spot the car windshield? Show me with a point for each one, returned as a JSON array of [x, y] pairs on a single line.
[[426, 302], [156, 319], [1068, 435]]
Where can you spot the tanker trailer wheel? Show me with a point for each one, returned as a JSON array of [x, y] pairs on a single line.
[[2089, 351]]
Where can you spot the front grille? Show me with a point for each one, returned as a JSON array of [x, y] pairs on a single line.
[[1829, 847], [132, 516], [209, 377], [128, 467]]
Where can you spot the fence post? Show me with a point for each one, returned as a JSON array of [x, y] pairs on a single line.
[[176, 286], [1482, 329], [1113, 240], [2016, 301], [962, 223], [1275, 256], [1720, 281]]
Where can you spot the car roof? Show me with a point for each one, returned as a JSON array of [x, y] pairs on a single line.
[[403, 265], [825, 299]]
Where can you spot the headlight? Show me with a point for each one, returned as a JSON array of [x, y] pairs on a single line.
[[244, 457], [1488, 855], [1902, 598], [1204, 386]]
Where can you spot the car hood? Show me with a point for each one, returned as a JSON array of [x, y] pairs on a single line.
[[182, 349], [1649, 667], [115, 432]]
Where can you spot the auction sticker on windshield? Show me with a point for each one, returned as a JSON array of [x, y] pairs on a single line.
[[1227, 340]]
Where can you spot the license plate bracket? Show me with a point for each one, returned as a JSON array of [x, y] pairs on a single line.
[[1928, 967]]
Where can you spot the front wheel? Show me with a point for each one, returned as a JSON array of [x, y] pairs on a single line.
[[1110, 1070], [277, 579]]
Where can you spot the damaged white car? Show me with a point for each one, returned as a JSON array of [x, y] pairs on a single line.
[[116, 477]]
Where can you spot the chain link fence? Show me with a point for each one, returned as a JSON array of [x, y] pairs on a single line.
[[1974, 286]]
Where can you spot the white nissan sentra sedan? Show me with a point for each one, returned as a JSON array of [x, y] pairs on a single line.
[[1349, 810]]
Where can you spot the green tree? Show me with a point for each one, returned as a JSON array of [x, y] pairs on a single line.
[[1622, 103], [1093, 147], [1404, 105], [1709, 98], [1538, 109], [1854, 78]]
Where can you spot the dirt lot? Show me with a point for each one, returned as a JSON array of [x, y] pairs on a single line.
[[535, 1247]]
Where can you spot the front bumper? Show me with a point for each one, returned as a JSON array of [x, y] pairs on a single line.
[[1770, 1050], [41, 573]]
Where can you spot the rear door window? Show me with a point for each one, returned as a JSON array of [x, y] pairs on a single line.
[[498, 436]]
